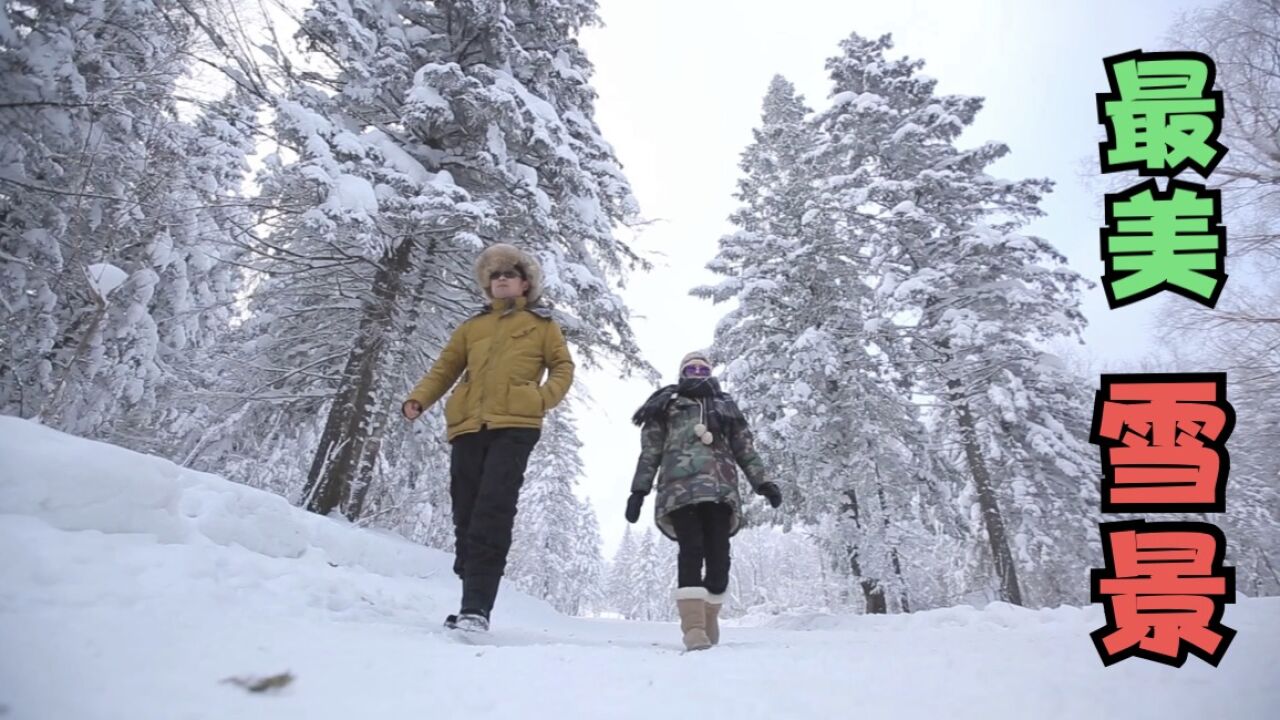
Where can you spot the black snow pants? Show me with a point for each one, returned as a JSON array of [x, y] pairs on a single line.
[[702, 530], [487, 470]]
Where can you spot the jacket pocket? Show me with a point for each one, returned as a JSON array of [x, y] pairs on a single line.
[[455, 408], [524, 399], [525, 342]]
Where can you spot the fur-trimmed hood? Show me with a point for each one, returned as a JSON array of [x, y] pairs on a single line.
[[503, 257]]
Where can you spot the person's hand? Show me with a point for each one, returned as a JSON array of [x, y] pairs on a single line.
[[772, 493], [634, 504], [411, 409]]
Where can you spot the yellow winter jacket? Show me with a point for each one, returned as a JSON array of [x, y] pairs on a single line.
[[503, 352]]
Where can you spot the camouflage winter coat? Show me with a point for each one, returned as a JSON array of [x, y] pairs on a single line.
[[689, 471]]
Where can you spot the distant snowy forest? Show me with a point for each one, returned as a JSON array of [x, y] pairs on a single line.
[[234, 234]]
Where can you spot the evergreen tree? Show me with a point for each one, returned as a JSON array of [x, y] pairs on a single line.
[[425, 132], [831, 415], [588, 568], [970, 302], [543, 553], [623, 593], [112, 214], [651, 579]]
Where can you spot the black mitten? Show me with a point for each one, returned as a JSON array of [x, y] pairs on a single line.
[[634, 504], [772, 493]]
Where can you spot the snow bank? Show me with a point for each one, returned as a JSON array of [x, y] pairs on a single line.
[[81, 485]]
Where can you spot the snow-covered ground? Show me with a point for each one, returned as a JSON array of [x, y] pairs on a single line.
[[131, 588]]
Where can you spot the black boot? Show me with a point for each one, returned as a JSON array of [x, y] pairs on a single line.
[[478, 595]]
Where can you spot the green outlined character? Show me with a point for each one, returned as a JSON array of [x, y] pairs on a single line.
[[1162, 115], [1164, 241]]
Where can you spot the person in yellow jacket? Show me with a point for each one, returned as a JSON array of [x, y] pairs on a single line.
[[494, 416]]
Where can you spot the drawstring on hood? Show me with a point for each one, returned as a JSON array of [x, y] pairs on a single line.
[[701, 428], [699, 389]]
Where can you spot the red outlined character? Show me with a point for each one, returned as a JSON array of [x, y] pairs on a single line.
[[1163, 439], [1163, 591]]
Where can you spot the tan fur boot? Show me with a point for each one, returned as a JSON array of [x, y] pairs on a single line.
[[714, 603], [692, 604]]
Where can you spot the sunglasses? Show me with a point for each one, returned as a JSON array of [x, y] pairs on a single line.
[[697, 371], [508, 274]]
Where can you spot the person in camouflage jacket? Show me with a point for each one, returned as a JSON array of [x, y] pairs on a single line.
[[693, 439]]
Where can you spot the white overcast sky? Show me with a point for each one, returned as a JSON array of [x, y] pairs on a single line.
[[680, 84]]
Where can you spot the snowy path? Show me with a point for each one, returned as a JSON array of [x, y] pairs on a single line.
[[130, 589]]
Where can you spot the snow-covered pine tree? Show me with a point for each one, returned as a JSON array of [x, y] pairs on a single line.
[[640, 578], [665, 552], [420, 133], [642, 575], [971, 302], [832, 419], [545, 538], [588, 566], [415, 499], [107, 248], [776, 571], [770, 264], [196, 301], [650, 578], [622, 593]]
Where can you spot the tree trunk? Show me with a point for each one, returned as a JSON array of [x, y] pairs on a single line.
[[997, 535], [352, 435], [904, 600], [872, 591], [51, 413], [894, 560], [367, 464]]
